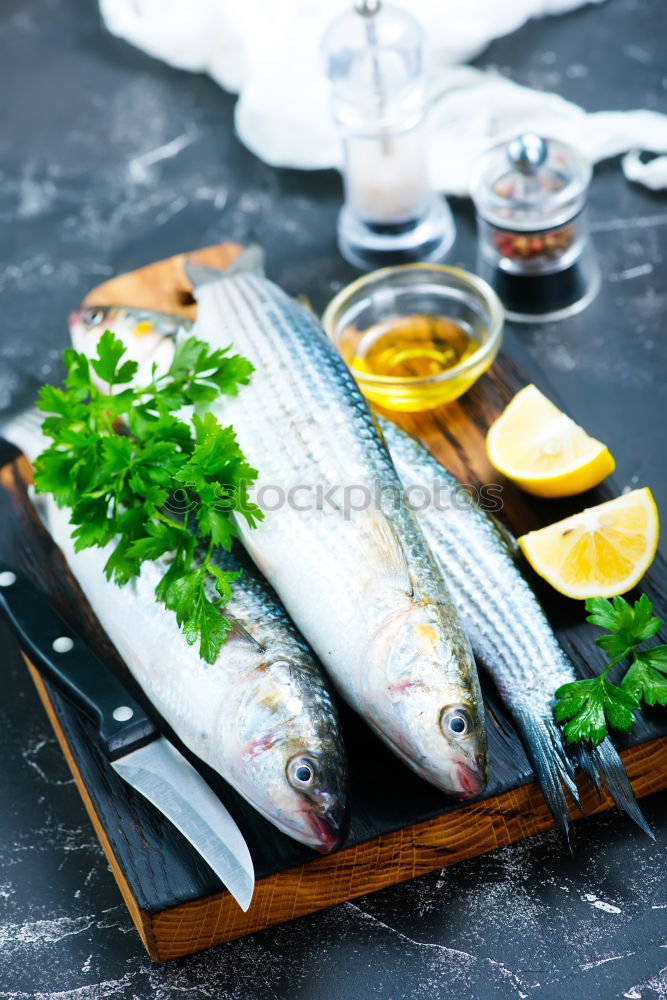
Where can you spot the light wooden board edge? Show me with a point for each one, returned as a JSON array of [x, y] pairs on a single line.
[[463, 833], [162, 285]]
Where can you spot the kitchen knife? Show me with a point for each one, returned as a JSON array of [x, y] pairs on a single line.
[[129, 738]]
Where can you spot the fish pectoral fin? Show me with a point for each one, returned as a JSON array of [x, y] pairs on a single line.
[[379, 424], [506, 537], [382, 551], [242, 632]]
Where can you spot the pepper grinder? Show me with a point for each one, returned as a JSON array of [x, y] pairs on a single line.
[[534, 247], [374, 59]]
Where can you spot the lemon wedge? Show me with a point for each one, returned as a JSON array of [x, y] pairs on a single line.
[[601, 552], [543, 451]]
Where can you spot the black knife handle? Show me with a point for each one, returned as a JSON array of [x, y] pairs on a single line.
[[70, 664]]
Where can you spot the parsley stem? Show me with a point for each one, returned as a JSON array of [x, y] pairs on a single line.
[[617, 659], [161, 516]]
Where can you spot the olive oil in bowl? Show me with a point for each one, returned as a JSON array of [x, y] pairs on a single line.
[[416, 336], [412, 346]]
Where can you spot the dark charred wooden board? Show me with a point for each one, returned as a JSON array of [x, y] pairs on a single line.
[[400, 826]]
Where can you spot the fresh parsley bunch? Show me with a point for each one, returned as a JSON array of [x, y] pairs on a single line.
[[127, 463], [593, 704]]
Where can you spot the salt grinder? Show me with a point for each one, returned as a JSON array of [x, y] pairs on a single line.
[[374, 60], [533, 242]]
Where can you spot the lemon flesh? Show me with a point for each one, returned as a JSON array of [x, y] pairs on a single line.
[[543, 451], [601, 552]]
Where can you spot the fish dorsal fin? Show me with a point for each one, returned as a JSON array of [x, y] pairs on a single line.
[[199, 275], [251, 261], [382, 552]]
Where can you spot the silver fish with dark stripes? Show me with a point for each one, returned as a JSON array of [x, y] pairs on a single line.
[[507, 627], [262, 716], [360, 584]]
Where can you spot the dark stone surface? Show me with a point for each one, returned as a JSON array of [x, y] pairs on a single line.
[[78, 203]]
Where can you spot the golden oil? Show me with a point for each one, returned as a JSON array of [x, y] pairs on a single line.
[[415, 351], [412, 347]]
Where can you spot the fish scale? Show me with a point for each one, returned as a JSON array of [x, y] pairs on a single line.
[[274, 357], [362, 586], [509, 631], [353, 437]]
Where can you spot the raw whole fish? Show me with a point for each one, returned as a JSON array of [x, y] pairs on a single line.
[[508, 630], [345, 555], [262, 715]]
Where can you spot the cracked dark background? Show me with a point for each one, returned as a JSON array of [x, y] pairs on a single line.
[[528, 921]]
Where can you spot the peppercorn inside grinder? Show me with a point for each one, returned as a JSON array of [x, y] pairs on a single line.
[[533, 242]]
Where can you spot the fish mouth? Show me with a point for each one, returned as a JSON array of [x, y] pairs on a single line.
[[471, 783], [466, 782], [328, 833]]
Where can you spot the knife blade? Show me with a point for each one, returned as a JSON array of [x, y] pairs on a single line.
[[128, 737]]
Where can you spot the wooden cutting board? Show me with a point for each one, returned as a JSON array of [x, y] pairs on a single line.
[[400, 826]]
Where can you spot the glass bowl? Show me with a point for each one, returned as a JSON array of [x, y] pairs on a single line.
[[430, 330]]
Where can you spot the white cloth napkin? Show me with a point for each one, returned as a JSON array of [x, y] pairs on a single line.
[[268, 51]]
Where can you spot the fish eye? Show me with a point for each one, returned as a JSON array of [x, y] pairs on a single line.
[[93, 317], [301, 772], [456, 723]]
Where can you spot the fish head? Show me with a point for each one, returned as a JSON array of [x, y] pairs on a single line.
[[431, 713], [148, 337], [292, 764]]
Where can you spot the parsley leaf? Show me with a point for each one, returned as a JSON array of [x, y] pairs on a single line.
[[109, 352], [643, 680], [588, 707], [591, 705], [627, 626], [128, 468]]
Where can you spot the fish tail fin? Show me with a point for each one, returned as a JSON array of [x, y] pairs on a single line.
[[24, 431], [251, 261], [605, 769], [553, 768]]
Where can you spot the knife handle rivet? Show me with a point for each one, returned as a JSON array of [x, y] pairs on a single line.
[[7, 578], [123, 713], [62, 644]]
